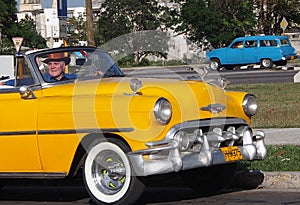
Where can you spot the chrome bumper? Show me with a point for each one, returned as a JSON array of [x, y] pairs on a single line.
[[186, 147]]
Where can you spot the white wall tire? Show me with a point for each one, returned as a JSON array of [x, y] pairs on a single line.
[[108, 175], [266, 63], [214, 64]]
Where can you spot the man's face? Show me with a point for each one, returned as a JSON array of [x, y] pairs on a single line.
[[55, 68]]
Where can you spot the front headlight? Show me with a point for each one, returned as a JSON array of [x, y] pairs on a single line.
[[162, 111], [250, 105]]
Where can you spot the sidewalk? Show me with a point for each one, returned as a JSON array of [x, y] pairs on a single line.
[[273, 180], [279, 136]]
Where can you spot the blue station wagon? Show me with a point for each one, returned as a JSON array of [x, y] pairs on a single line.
[[262, 50]]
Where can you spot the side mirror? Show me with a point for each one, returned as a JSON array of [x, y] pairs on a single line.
[[26, 93]]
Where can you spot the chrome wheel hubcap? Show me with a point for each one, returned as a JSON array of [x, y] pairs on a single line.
[[108, 172]]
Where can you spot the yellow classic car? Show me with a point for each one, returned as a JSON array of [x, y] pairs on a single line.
[[71, 110]]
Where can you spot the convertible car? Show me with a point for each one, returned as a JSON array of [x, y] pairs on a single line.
[[71, 111]]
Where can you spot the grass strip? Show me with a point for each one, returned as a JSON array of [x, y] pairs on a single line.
[[278, 104], [278, 108], [279, 158]]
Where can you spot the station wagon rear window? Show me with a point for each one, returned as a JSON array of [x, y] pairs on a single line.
[[250, 44], [267, 43], [284, 42]]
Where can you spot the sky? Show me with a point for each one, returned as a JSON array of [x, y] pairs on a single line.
[[70, 3]]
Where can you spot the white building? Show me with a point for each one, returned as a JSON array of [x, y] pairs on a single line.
[[47, 21], [48, 25], [30, 5], [51, 26]]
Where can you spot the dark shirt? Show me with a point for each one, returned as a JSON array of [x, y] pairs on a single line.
[[66, 76], [10, 82], [48, 78]]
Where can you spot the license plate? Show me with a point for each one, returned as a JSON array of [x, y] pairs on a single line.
[[232, 153]]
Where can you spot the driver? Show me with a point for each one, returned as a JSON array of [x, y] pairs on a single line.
[[56, 68]]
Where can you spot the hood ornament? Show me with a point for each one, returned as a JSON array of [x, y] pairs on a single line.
[[135, 85], [214, 108]]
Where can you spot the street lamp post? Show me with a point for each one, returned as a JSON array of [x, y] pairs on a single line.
[[62, 16]]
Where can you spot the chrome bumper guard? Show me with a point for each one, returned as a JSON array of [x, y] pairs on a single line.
[[186, 146]]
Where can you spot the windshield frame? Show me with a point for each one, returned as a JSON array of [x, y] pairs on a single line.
[[112, 71]]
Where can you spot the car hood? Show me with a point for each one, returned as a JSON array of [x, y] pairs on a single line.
[[215, 51], [193, 99], [110, 103]]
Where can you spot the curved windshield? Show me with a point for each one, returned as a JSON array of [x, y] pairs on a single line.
[[77, 64]]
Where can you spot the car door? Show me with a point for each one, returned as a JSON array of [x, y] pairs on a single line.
[[250, 52], [57, 137], [18, 122], [235, 53]]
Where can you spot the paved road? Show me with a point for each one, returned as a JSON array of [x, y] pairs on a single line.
[[72, 195], [253, 197], [261, 76], [235, 77]]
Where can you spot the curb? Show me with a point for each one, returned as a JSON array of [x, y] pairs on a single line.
[[272, 180], [281, 180], [290, 68], [297, 77], [266, 180]]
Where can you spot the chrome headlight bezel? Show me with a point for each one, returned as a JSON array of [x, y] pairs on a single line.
[[163, 111], [250, 105]]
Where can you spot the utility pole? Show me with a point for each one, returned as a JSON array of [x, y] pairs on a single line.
[[89, 22]]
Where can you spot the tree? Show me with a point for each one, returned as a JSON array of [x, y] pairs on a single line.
[[10, 27], [215, 23], [271, 12], [27, 29], [8, 24], [120, 17], [76, 30]]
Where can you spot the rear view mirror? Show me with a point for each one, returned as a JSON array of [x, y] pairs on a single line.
[[80, 61]]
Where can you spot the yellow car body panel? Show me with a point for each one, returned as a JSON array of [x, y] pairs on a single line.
[[19, 150], [74, 106]]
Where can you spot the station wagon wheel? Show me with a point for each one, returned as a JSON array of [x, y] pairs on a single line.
[[108, 174], [214, 64], [266, 63]]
